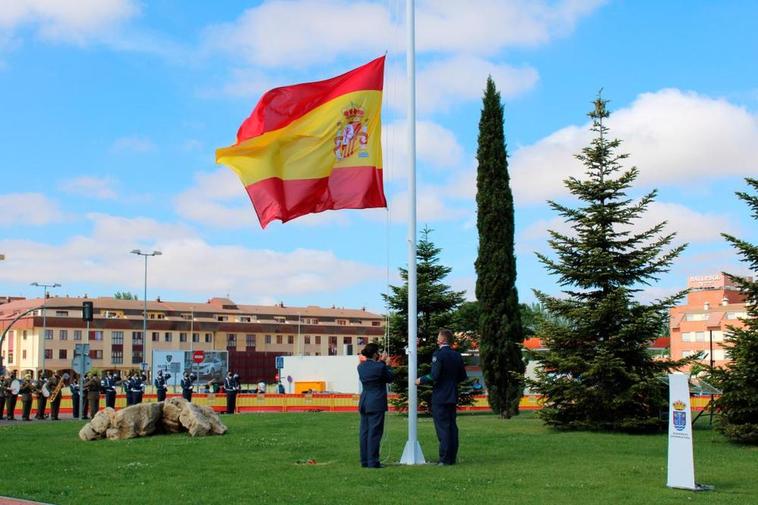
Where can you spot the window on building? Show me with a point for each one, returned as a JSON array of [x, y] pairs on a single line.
[[311, 320], [25, 334], [317, 339], [231, 340], [167, 337], [222, 318], [700, 316], [245, 319], [279, 339], [699, 336], [61, 313], [136, 337], [96, 334], [10, 357], [268, 339], [96, 353], [62, 353], [250, 341], [196, 337], [376, 323], [332, 346], [182, 337], [23, 354], [77, 334], [307, 340], [736, 315], [117, 338], [208, 338], [290, 339], [347, 346], [136, 357], [63, 334], [48, 334], [117, 357], [156, 336], [48, 354], [687, 353], [362, 341], [342, 322]]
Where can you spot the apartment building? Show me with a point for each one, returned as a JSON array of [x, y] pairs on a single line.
[[713, 304], [43, 333]]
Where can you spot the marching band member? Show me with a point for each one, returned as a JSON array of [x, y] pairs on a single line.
[[93, 394], [108, 385], [10, 397], [41, 399], [74, 388], [160, 386], [55, 404], [187, 386], [85, 396], [26, 391]]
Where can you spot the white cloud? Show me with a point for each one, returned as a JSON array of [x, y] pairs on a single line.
[[436, 146], [92, 187], [673, 136], [188, 263], [431, 206], [321, 31], [28, 209], [63, 20], [134, 144]]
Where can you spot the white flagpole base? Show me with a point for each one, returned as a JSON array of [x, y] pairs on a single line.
[[412, 454]]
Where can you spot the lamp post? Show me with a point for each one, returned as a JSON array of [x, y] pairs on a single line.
[[144, 298], [44, 317]]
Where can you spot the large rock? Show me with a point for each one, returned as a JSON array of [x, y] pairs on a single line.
[[200, 421], [135, 421], [172, 409], [103, 420], [87, 433]]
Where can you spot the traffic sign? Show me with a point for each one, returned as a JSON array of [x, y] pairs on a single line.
[[279, 362], [198, 357], [81, 362]]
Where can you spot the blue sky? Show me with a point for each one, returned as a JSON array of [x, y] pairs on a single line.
[[112, 110]]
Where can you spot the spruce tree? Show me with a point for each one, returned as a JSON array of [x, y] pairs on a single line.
[[436, 303], [738, 403], [500, 330], [597, 373]]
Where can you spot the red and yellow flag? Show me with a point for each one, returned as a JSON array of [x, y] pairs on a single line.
[[312, 147]]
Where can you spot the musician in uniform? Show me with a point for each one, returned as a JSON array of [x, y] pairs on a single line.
[[108, 385], [187, 386], [93, 394], [85, 396], [74, 388], [41, 398], [160, 386], [231, 388], [55, 403], [26, 391], [11, 397]]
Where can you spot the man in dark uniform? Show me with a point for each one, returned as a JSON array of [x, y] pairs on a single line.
[[93, 394], [55, 404], [27, 388], [85, 396], [137, 387], [10, 398], [160, 386], [374, 375], [128, 390], [108, 386], [41, 399], [74, 388], [447, 371], [3, 393], [231, 388], [186, 384]]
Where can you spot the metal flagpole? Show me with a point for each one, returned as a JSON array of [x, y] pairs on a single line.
[[412, 454]]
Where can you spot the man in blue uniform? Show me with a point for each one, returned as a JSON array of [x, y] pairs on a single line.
[[160, 386], [108, 386], [374, 375], [231, 388], [447, 372], [186, 384]]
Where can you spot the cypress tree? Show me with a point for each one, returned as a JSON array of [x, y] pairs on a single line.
[[738, 403], [500, 330], [597, 373]]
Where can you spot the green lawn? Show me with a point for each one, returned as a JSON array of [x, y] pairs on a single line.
[[512, 462]]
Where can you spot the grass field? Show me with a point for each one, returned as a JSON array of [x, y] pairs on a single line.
[[260, 461]]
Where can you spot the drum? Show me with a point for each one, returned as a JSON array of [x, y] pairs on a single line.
[[45, 391], [15, 386]]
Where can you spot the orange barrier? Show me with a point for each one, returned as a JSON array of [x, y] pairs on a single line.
[[307, 402]]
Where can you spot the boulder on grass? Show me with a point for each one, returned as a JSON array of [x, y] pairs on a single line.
[[172, 409], [135, 421], [201, 421], [103, 420], [87, 433]]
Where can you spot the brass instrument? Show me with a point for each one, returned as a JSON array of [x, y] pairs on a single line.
[[58, 388]]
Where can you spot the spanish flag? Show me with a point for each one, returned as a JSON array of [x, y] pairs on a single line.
[[312, 147]]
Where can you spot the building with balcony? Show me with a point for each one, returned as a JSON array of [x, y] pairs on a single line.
[[713, 304], [117, 342]]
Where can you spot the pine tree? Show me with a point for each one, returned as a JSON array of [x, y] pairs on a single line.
[[436, 303], [500, 330], [597, 373], [738, 403]]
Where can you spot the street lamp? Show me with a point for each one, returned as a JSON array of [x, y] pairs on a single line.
[[144, 314], [44, 317]]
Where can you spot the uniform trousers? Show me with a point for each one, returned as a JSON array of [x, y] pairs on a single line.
[[10, 405], [55, 406], [445, 425], [371, 431]]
